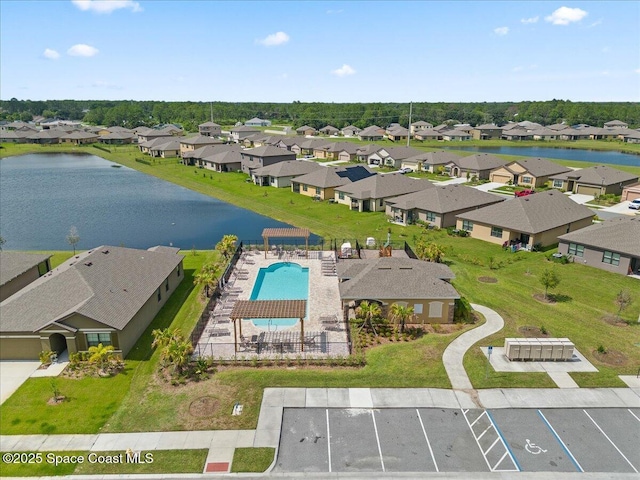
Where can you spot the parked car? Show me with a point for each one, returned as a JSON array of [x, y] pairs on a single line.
[[405, 170], [524, 193], [635, 204]]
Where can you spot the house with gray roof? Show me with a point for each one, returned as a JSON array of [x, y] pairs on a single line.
[[363, 152], [527, 172], [263, 156], [419, 125], [329, 130], [161, 147], [430, 161], [616, 124], [345, 151], [15, 136], [257, 122], [437, 206], [486, 131], [516, 134], [397, 133], [391, 156], [238, 134], [613, 245], [424, 286], [321, 183], [108, 295], [281, 174], [429, 134], [307, 146], [225, 158], [372, 133], [533, 221], [369, 194], [305, 130], [189, 144], [597, 180], [456, 135], [209, 129], [19, 269], [46, 136], [79, 137], [118, 138], [350, 131], [477, 166]]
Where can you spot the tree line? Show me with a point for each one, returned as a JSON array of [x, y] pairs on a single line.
[[190, 114]]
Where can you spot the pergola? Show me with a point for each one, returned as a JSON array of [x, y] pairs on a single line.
[[268, 233], [267, 309]]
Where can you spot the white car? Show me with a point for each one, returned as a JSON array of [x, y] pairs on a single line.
[[635, 204], [405, 170]]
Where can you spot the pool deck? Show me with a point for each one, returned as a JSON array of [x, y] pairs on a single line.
[[323, 339]]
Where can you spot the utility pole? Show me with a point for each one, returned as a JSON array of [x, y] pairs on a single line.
[[409, 134]]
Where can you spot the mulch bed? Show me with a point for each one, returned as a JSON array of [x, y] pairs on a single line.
[[615, 321], [204, 407], [488, 279], [56, 400], [529, 331], [540, 297], [611, 357]]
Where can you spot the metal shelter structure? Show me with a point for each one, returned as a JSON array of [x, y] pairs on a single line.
[[245, 309], [268, 233]]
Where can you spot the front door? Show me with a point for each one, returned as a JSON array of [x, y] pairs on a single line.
[[524, 238]]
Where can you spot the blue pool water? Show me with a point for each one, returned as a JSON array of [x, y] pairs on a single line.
[[280, 281]]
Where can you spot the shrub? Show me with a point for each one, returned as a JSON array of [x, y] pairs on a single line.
[[601, 349], [462, 311], [45, 357]]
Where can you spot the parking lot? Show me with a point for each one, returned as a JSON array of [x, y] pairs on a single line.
[[455, 440]]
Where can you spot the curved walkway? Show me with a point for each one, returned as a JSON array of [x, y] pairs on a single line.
[[454, 353]]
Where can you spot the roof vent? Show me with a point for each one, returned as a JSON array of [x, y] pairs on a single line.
[[105, 251], [88, 264]]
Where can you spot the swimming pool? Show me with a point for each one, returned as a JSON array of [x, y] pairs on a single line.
[[280, 281]]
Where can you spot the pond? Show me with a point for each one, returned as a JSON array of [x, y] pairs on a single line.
[[43, 195], [592, 156]]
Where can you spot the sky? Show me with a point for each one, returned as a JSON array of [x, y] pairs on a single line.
[[310, 51]]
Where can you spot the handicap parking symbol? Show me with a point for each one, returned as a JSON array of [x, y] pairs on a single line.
[[533, 449]]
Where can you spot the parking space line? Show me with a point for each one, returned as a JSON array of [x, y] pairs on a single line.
[[501, 458], [634, 415], [464, 414], [506, 446], [610, 441], [562, 444], [479, 417], [427, 439], [485, 431], [375, 427], [492, 445], [328, 440]]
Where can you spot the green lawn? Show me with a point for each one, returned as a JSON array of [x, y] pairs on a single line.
[[248, 460]]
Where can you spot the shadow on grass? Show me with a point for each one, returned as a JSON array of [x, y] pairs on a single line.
[[560, 298]]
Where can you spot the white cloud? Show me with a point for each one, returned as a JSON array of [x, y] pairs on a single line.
[[82, 50], [106, 6], [530, 20], [596, 23], [50, 54], [501, 31], [334, 12], [566, 15], [275, 39], [343, 71]]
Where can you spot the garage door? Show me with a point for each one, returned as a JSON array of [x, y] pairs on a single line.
[[20, 348], [587, 190], [500, 178]]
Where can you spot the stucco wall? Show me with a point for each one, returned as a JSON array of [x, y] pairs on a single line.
[[19, 283], [423, 318], [593, 258]]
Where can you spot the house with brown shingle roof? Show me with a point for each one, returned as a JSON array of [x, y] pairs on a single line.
[[616, 124], [372, 133], [430, 161], [350, 131], [419, 125], [531, 221], [189, 144], [227, 159], [369, 194], [321, 183], [209, 129], [613, 245], [391, 156], [486, 131], [306, 130], [281, 174], [79, 137], [477, 166], [19, 269], [428, 134], [528, 172], [336, 151], [329, 130], [238, 134], [598, 180], [263, 156], [437, 206]]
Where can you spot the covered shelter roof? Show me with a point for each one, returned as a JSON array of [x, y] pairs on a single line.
[[268, 233]]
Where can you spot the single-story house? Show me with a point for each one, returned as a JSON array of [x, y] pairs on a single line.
[[263, 156], [516, 134], [287, 142], [478, 166], [19, 269], [14, 136], [486, 131], [350, 131], [598, 180], [227, 160], [573, 134], [79, 137], [329, 130], [167, 149], [631, 136], [544, 134], [616, 124], [397, 133], [308, 146], [428, 134], [533, 221], [613, 245], [336, 151], [372, 133], [209, 129], [147, 134], [238, 134], [424, 286], [108, 295], [306, 130], [363, 152], [281, 174], [456, 135], [369, 194], [190, 144], [392, 156], [257, 122], [45, 136], [529, 172], [430, 161], [630, 192], [321, 183], [437, 206], [118, 138], [146, 146]]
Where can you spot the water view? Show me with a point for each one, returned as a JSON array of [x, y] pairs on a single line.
[[593, 156], [43, 195]]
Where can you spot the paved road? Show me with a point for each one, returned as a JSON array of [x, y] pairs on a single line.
[[459, 440]]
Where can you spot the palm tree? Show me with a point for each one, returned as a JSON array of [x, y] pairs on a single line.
[[178, 352], [401, 313], [367, 311], [227, 246], [101, 355], [162, 338]]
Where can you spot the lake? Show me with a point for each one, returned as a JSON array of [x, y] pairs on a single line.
[[43, 195], [593, 156]]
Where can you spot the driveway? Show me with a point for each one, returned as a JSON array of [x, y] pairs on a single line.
[[14, 373], [580, 198], [485, 187], [453, 181], [621, 208]]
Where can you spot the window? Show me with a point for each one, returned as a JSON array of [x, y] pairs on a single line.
[[496, 232], [417, 308], [317, 190], [304, 187], [178, 271], [557, 183], [528, 180], [611, 258], [93, 339], [467, 225], [576, 250], [166, 285], [381, 203], [159, 292], [435, 310], [341, 195], [430, 216]]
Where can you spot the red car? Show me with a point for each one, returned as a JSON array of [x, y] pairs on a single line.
[[524, 193]]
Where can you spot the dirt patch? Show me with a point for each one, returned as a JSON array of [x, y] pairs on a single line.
[[540, 297], [56, 400], [204, 407], [615, 321], [529, 331], [611, 357], [488, 279]]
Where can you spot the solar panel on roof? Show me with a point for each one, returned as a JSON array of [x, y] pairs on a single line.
[[355, 173]]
